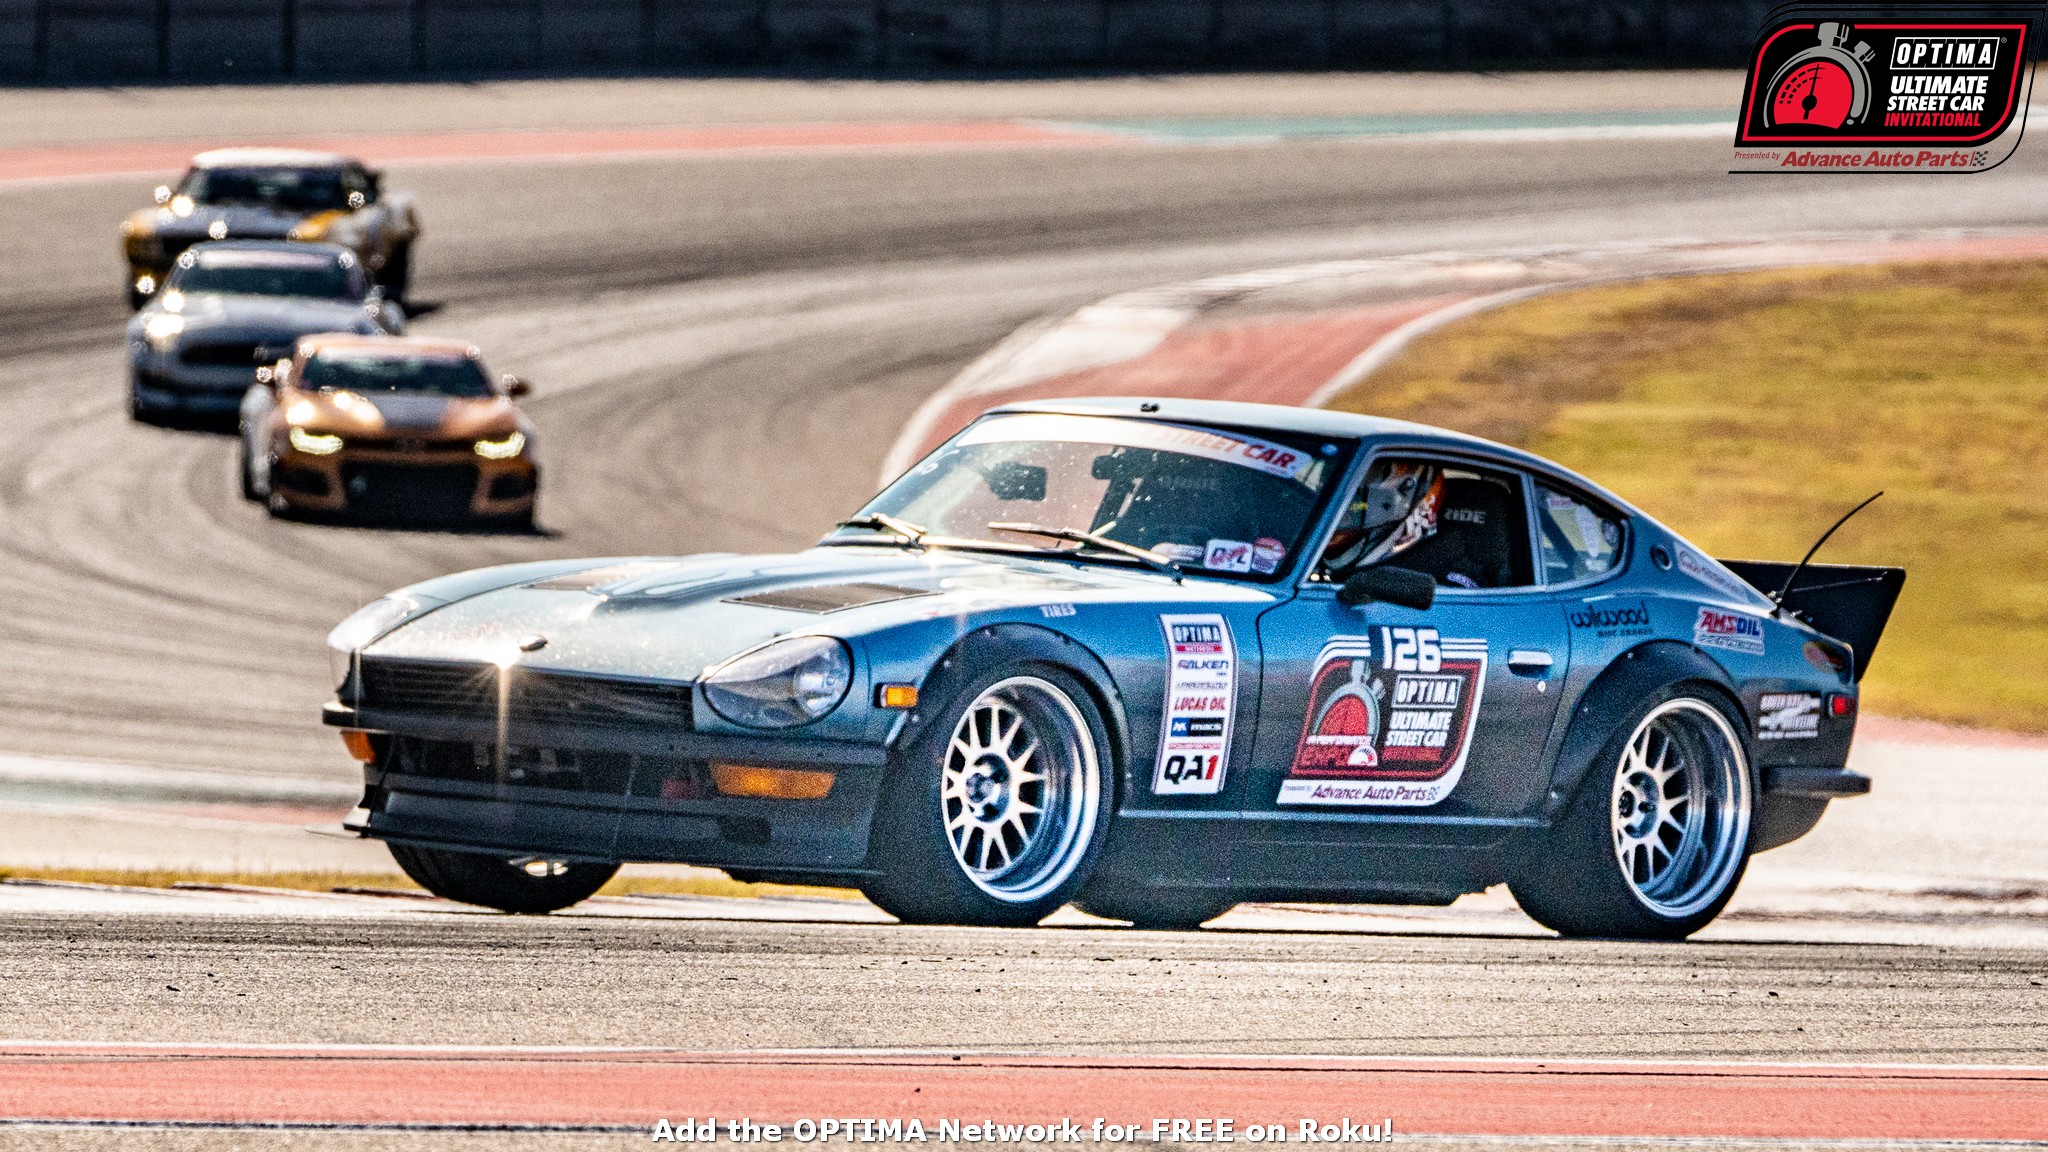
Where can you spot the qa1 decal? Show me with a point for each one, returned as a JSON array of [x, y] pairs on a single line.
[[1390, 731], [1201, 695]]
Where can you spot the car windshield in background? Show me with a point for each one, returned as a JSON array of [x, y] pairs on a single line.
[[324, 279], [434, 375], [1210, 500], [291, 189]]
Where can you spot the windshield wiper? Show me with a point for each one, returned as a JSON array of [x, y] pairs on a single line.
[[912, 535], [1093, 539]]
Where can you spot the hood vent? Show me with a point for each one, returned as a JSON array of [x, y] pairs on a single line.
[[823, 598]]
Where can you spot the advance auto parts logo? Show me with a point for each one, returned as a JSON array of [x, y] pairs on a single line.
[[1934, 93]]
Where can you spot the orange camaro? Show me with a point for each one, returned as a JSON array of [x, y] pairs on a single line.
[[388, 428]]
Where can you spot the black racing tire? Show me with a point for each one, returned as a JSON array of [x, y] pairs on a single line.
[[396, 274], [1158, 909], [497, 882], [995, 813], [1651, 847]]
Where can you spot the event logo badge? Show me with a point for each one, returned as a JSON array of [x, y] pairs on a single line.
[[1388, 731], [1849, 89]]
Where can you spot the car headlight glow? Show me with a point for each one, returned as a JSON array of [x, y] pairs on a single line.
[[366, 624], [783, 684], [315, 443], [504, 449], [163, 330]]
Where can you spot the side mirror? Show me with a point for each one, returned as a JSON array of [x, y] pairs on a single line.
[[266, 376], [515, 387], [163, 193], [1403, 586]]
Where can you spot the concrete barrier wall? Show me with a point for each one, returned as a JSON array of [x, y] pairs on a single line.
[[98, 41]]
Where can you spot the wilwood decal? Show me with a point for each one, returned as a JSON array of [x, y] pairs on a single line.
[[1852, 88], [1389, 731]]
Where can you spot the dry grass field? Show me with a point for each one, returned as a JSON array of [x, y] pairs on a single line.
[[1748, 410]]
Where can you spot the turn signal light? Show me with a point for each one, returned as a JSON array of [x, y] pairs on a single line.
[[358, 743], [896, 696], [1840, 705], [772, 783]]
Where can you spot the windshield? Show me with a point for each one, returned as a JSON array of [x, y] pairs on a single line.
[[434, 375], [291, 189], [322, 279], [1214, 501]]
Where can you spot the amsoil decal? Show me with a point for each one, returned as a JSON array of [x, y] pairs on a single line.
[[1788, 716], [1201, 694], [1844, 89], [1392, 730], [1734, 631]]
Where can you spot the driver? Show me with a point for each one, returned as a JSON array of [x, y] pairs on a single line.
[[1395, 509]]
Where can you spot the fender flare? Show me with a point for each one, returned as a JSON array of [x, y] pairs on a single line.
[[997, 644], [1615, 693]]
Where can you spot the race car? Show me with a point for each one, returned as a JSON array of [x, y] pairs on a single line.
[[230, 307], [273, 194], [1151, 657], [403, 429]]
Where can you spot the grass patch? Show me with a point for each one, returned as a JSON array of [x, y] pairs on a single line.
[[1748, 410], [628, 884]]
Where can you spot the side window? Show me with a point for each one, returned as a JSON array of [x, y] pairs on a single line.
[[1463, 525], [355, 181], [1578, 540]]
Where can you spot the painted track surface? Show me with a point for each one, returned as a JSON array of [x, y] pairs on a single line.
[[725, 350]]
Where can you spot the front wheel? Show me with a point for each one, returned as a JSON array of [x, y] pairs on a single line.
[[1659, 835], [995, 815], [529, 886]]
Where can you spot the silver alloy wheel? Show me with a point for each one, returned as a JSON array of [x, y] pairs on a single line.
[[1681, 807], [1020, 789]]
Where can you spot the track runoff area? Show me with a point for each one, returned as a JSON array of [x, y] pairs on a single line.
[[980, 1091]]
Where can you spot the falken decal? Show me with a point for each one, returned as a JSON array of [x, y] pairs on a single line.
[[1393, 731], [1733, 631], [1201, 695], [1788, 716]]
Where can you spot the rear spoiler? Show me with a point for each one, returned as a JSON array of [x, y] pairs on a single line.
[[1846, 601]]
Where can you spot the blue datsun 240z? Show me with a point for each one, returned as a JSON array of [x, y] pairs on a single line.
[[1151, 657]]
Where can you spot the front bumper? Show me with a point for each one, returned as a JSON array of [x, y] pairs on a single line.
[[161, 383], [395, 484], [606, 792]]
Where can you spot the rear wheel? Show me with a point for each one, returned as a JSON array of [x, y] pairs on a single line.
[[1164, 909], [995, 815], [1659, 835], [525, 885]]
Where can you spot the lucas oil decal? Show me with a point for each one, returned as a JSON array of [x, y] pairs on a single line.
[[1734, 631], [1201, 693], [1389, 731]]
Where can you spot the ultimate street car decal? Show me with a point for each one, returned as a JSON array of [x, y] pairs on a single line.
[[1201, 694], [1394, 731]]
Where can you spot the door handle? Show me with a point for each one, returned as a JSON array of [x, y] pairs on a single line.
[[1529, 662]]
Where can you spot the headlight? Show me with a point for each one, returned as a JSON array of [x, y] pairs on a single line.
[[504, 449], [369, 622], [787, 683], [163, 330], [315, 443], [313, 229]]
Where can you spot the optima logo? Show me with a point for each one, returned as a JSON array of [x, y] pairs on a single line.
[[1197, 634]]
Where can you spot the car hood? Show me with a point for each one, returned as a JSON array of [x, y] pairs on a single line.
[[220, 314], [242, 222], [672, 618], [355, 413]]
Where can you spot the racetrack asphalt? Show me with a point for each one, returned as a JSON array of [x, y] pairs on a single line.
[[724, 350]]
